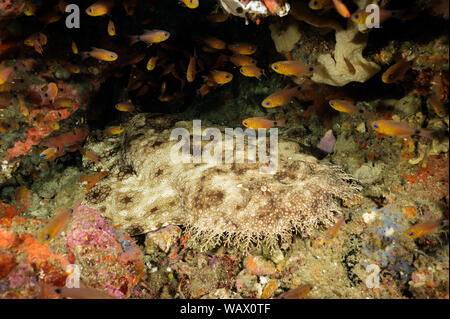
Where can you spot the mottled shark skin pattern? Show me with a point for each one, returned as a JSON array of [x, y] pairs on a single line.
[[232, 203]]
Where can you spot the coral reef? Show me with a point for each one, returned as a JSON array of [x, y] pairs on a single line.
[[108, 259]]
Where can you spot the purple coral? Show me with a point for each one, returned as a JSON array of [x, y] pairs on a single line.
[[327, 142], [90, 229], [22, 276]]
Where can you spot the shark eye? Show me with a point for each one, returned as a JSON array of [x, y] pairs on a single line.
[[411, 233], [267, 103], [166, 34], [275, 67], [245, 123], [375, 125], [89, 10], [355, 17], [112, 56], [47, 236], [331, 103], [227, 76]]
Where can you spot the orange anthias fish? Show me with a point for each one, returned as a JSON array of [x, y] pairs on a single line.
[[346, 106], [422, 229], [92, 157], [62, 5], [252, 71], [437, 105], [400, 129], [280, 97], [151, 64], [208, 49], [262, 122], [72, 68], [291, 68], [37, 40], [100, 54], [320, 4], [341, 8], [297, 293], [114, 130], [111, 28], [191, 69], [242, 48], [396, 72], [50, 17], [89, 181], [332, 232], [126, 106], [49, 92], [130, 6], [21, 192], [23, 109], [242, 60], [29, 9], [150, 37], [215, 43], [217, 17], [63, 102], [48, 153], [54, 226], [99, 8], [54, 125], [191, 4], [361, 16], [5, 72], [203, 90], [220, 77], [437, 95], [74, 48]]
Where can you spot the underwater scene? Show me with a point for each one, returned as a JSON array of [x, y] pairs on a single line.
[[224, 149]]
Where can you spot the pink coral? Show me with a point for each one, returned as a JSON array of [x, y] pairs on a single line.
[[23, 275], [90, 229], [34, 135], [327, 142], [113, 252]]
